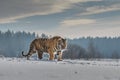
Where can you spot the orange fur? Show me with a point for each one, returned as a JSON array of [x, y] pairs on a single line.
[[50, 46]]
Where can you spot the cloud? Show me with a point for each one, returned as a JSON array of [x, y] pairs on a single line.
[[100, 9], [11, 10], [77, 22], [100, 28], [3, 21]]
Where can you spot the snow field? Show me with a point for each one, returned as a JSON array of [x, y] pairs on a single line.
[[22, 69]]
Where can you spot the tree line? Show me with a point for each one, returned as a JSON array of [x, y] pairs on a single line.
[[13, 43], [93, 48]]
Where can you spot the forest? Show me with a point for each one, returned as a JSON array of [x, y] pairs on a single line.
[[13, 43]]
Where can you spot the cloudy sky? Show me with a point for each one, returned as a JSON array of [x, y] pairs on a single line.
[[68, 18]]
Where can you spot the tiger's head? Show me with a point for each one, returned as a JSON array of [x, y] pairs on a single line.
[[62, 43]]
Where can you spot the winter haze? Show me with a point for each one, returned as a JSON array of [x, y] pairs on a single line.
[[91, 27]]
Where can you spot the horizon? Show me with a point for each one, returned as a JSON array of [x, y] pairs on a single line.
[[67, 18], [62, 36]]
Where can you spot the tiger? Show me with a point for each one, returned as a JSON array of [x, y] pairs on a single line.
[[48, 45]]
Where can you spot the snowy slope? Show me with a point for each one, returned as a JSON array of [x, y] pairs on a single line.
[[21, 69]]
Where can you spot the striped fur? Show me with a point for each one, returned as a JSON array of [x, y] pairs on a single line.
[[50, 46]]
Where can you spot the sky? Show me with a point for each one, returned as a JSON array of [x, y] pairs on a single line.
[[67, 18]]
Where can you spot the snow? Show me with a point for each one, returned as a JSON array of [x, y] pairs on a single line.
[[22, 69]]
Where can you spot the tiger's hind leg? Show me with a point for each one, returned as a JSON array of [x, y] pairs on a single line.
[[28, 57], [30, 54], [40, 53]]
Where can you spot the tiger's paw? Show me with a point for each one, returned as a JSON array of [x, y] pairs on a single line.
[[60, 59]]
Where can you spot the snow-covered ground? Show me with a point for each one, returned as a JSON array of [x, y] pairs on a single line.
[[21, 69]]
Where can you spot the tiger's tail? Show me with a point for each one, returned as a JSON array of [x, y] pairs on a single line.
[[27, 55], [24, 54], [31, 51]]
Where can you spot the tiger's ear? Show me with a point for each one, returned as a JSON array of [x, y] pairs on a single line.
[[65, 39], [59, 39]]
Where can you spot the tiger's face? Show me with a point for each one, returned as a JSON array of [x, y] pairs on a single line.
[[62, 43]]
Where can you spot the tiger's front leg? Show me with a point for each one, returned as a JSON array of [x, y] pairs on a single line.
[[51, 55], [59, 54]]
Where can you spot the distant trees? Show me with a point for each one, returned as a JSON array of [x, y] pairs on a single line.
[[44, 35], [115, 55], [74, 52], [77, 52], [92, 51], [99, 47], [11, 44], [1, 53]]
